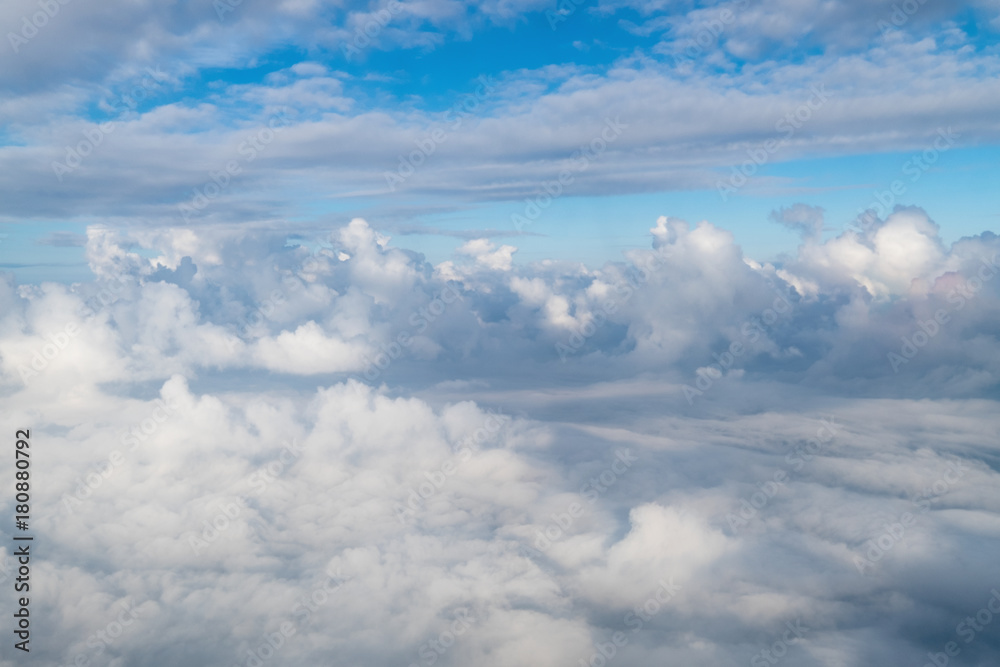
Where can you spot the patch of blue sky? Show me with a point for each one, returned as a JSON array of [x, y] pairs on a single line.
[[956, 192], [438, 75]]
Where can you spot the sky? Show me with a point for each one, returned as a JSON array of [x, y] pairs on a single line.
[[516, 88], [431, 332]]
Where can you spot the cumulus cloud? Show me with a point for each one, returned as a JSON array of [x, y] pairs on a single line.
[[339, 448], [487, 254]]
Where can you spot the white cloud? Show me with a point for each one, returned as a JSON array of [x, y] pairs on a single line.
[[201, 422]]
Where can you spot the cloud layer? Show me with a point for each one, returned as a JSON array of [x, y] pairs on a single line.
[[142, 140], [328, 450]]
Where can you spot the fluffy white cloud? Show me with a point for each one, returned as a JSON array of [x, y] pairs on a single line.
[[487, 254], [206, 469]]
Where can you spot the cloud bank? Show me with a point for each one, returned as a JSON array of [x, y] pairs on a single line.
[[259, 450]]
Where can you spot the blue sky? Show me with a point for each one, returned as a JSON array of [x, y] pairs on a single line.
[[698, 84], [958, 193]]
